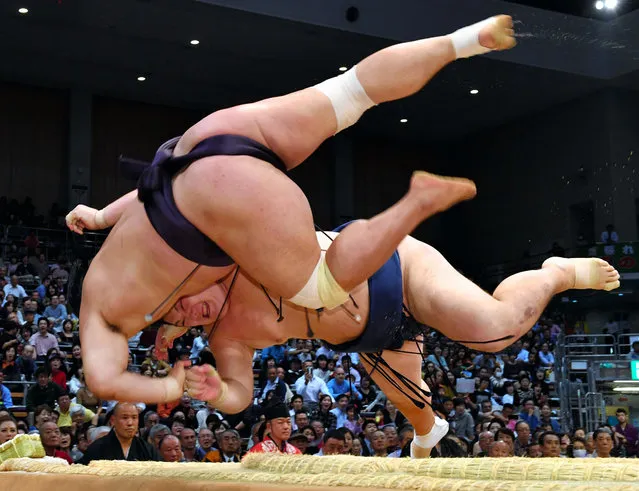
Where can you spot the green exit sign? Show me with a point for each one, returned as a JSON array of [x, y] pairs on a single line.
[[634, 369]]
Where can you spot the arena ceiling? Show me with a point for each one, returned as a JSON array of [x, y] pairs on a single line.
[[270, 48]]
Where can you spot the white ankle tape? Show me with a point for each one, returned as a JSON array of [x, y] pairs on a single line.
[[466, 40], [437, 432], [348, 97]]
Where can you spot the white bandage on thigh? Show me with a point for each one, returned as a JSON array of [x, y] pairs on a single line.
[[348, 97], [466, 40], [321, 289]]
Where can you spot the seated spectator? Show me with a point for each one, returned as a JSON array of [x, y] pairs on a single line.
[[295, 370], [340, 410], [550, 444], [50, 438], [392, 415], [322, 368], [578, 448], [626, 433], [84, 396], [44, 392], [357, 449], [546, 358], [159, 368], [9, 338], [528, 414], [189, 448], [310, 388], [508, 437], [603, 443], [299, 441], [273, 383], [482, 446], [347, 365], [523, 438], [8, 428], [392, 438], [278, 352], [199, 343], [378, 444], [43, 341], [67, 335], [156, 433], [25, 268], [437, 359], [278, 430], [65, 406], [324, 413], [121, 443], [339, 385], [170, 449], [230, 448], [634, 354], [58, 371], [15, 289], [95, 433], [369, 427], [334, 443], [205, 440], [202, 415], [369, 394], [498, 449], [462, 422], [185, 407], [55, 313], [10, 367], [352, 420], [546, 419], [66, 437]]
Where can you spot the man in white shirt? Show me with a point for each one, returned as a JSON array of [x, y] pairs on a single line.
[[523, 354], [199, 343], [310, 387], [13, 288]]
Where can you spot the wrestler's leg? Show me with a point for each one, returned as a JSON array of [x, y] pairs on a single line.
[[409, 364], [441, 297], [294, 125]]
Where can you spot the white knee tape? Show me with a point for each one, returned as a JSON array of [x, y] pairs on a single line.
[[321, 289], [348, 97], [466, 40]]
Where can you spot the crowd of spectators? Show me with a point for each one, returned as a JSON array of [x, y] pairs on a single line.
[[308, 399]]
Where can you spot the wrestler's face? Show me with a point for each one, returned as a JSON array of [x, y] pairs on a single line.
[[198, 310]]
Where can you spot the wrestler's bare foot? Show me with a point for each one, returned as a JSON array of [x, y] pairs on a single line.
[[438, 193], [585, 273], [499, 35]]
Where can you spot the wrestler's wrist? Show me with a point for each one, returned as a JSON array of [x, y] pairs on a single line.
[[172, 389], [100, 219], [221, 397]]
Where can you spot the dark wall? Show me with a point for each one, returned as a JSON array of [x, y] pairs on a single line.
[[529, 174], [33, 139], [132, 129]]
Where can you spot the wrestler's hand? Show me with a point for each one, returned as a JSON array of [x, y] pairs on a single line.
[[174, 381], [82, 217], [167, 333], [204, 383]]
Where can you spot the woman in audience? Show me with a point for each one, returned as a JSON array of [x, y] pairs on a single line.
[[67, 336], [322, 371], [323, 413], [159, 368], [84, 396], [352, 423], [10, 366], [369, 394], [58, 374], [76, 358], [392, 415], [8, 428]]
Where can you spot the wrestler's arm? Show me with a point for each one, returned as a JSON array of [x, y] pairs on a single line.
[[105, 363], [234, 363], [230, 388], [83, 216]]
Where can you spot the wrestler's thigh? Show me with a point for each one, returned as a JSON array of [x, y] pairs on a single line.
[[408, 362], [256, 214], [439, 296], [293, 125]]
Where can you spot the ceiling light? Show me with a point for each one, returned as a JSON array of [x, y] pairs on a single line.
[[474, 92], [625, 381], [620, 294], [23, 10], [626, 389], [141, 79], [403, 120], [574, 301], [611, 4], [343, 68], [194, 42], [599, 4]]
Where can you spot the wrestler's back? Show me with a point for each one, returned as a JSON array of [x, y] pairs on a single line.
[[125, 280]]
